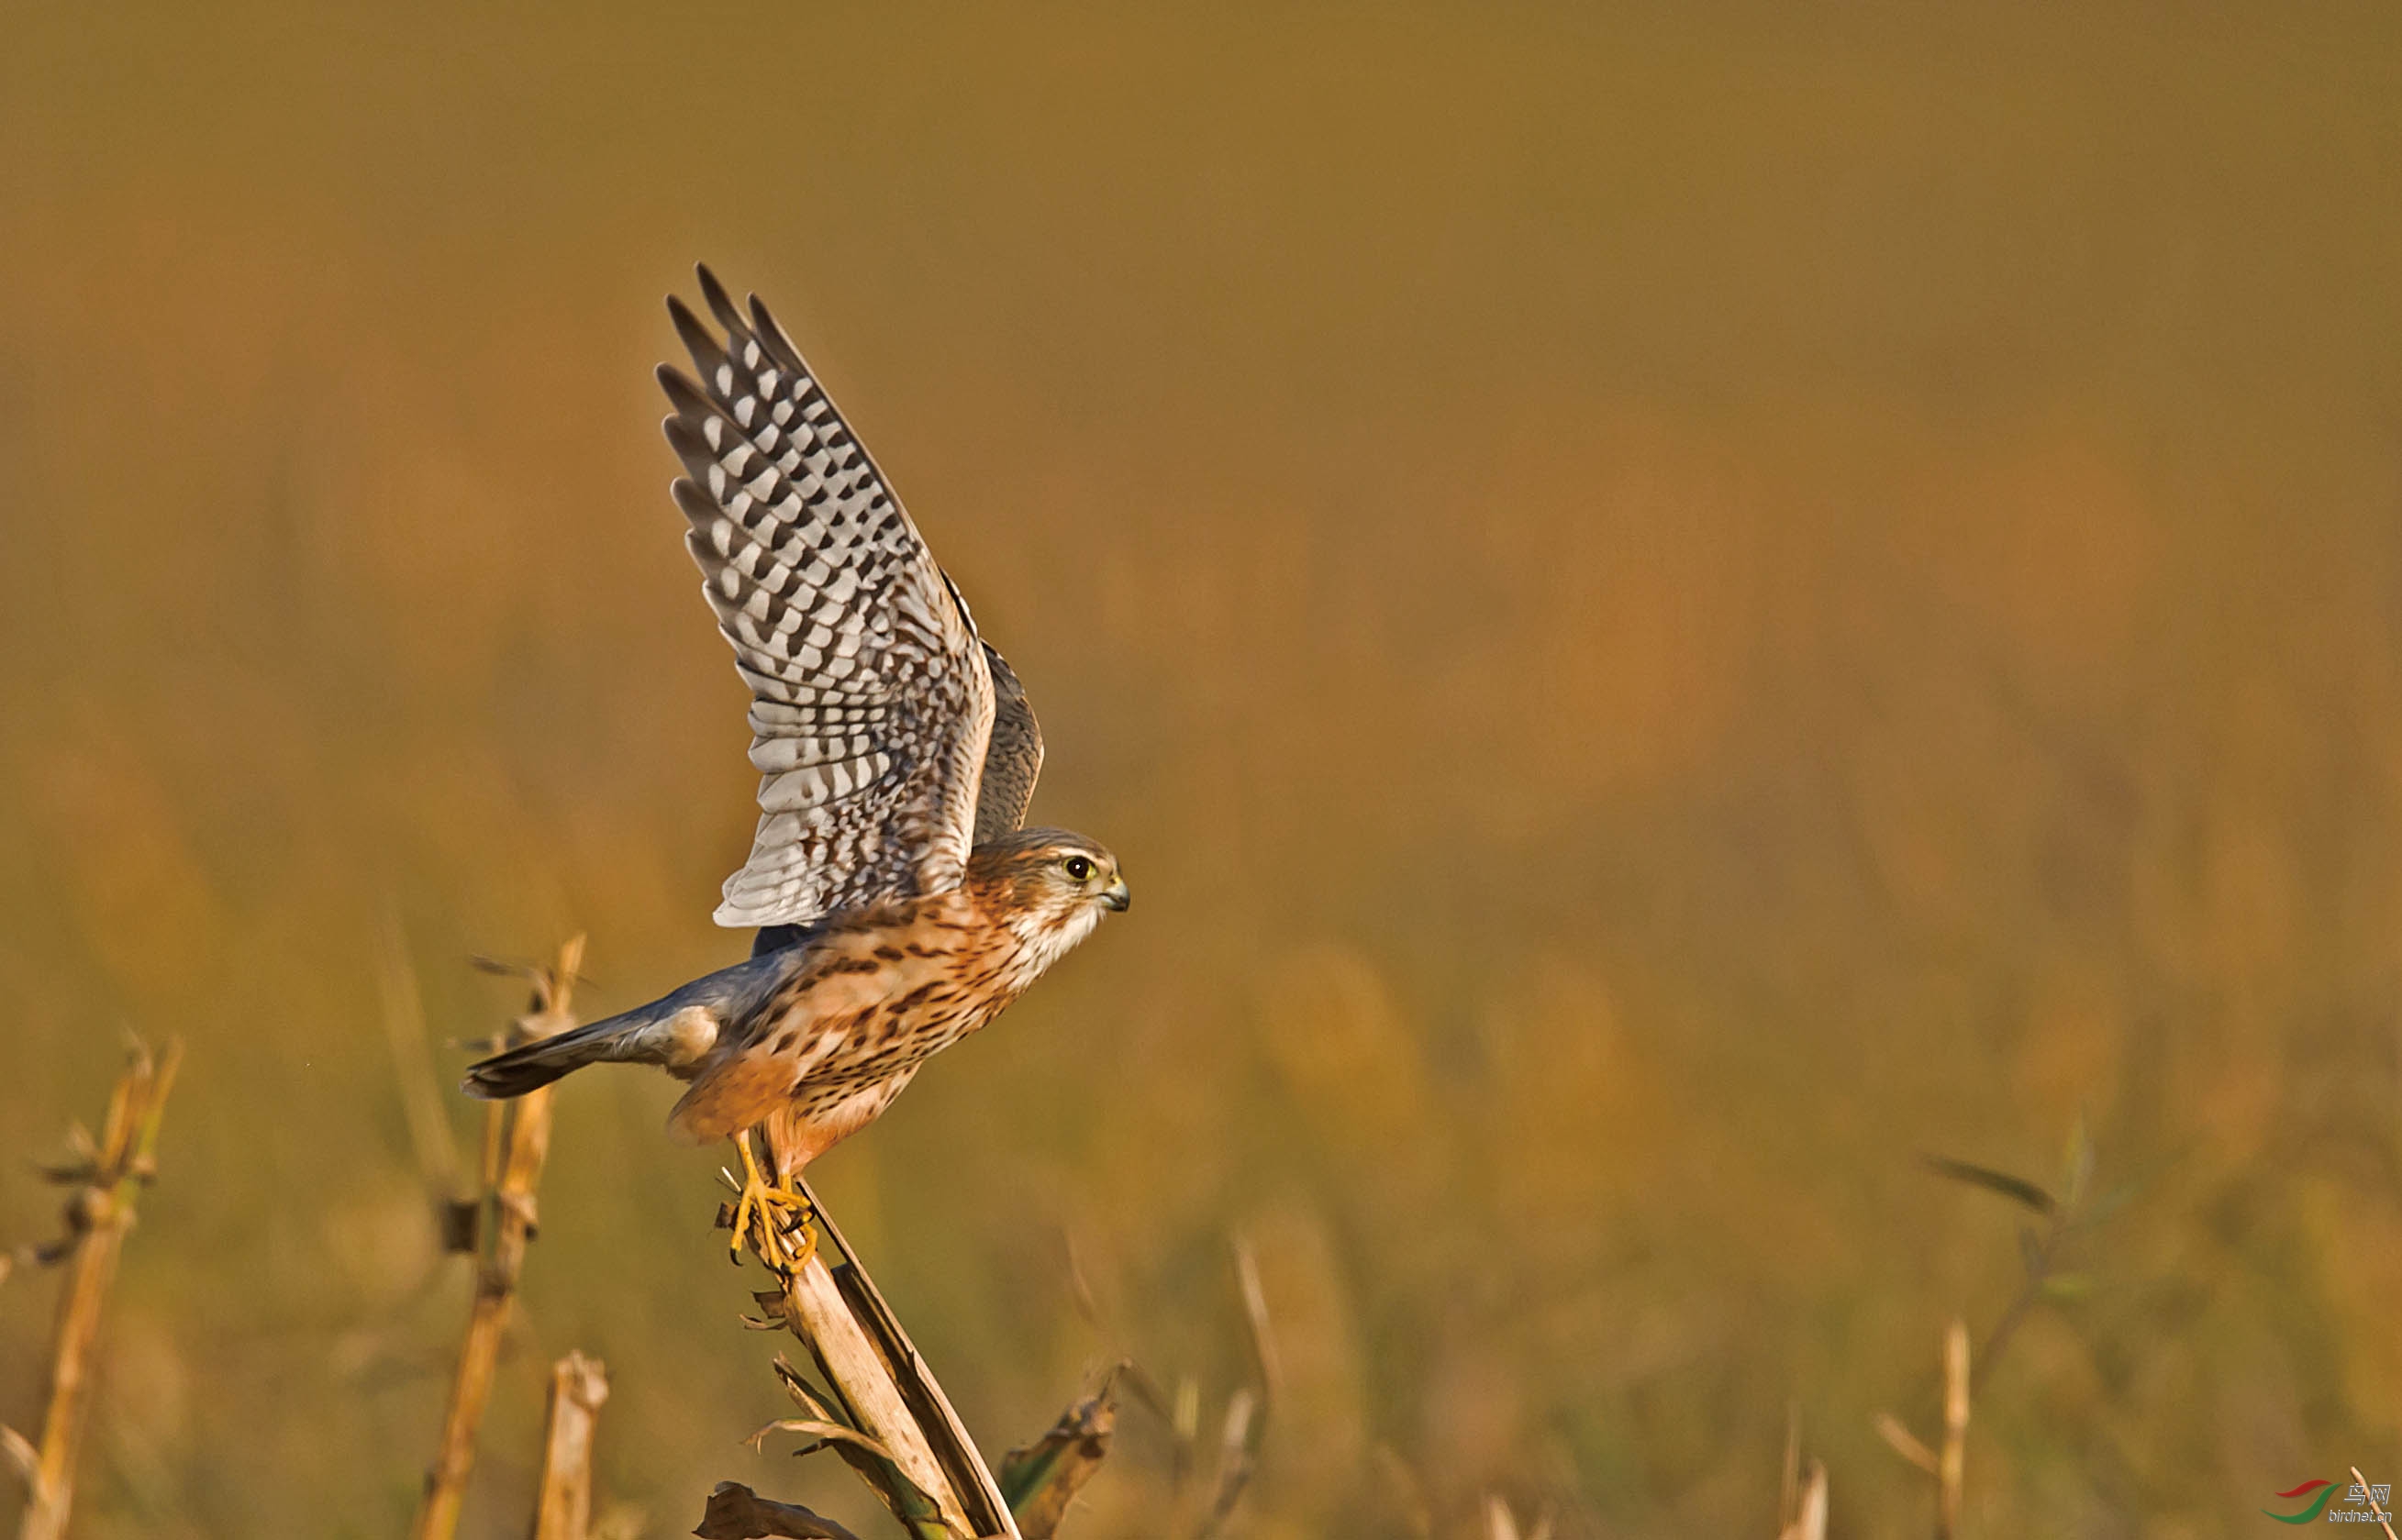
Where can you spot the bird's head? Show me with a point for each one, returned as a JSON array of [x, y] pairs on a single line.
[[1048, 884]]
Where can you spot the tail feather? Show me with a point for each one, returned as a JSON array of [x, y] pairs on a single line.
[[532, 1066], [674, 1031]]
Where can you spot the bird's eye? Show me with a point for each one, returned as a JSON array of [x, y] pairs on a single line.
[[1077, 867]]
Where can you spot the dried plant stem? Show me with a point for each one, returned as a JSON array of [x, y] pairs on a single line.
[[1948, 1466], [1245, 1429], [833, 1307], [1954, 1461], [1802, 1497], [413, 1072], [2384, 1521], [1234, 1460], [1905, 1443], [1501, 1522], [517, 1138], [1809, 1520], [98, 1216], [815, 1309], [1789, 1488], [578, 1385]]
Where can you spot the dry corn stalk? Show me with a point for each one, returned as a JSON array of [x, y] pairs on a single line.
[[106, 1178], [578, 1386], [517, 1139], [889, 1418]]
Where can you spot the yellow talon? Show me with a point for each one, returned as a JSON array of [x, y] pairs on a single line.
[[808, 1237], [763, 1198]]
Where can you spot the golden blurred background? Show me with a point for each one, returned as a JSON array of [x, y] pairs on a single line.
[[1669, 607]]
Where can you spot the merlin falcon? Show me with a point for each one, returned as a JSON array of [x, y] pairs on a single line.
[[899, 900]]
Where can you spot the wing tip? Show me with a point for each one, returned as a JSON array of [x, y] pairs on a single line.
[[772, 337], [690, 499], [708, 353], [685, 438], [680, 386], [721, 304]]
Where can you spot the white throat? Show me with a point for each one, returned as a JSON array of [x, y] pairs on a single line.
[[1043, 939]]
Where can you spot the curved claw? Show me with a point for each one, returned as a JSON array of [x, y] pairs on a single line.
[[763, 1199]]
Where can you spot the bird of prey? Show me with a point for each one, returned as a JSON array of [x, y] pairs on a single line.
[[900, 902]]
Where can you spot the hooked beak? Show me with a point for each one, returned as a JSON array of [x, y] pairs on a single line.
[[1117, 896]]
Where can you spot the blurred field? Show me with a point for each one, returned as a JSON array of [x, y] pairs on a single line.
[[1667, 610]]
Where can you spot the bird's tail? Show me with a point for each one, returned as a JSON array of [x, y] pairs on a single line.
[[677, 1030], [535, 1064]]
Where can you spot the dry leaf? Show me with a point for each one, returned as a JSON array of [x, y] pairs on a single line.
[[735, 1512], [1043, 1479]]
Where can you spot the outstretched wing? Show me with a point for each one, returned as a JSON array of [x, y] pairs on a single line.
[[873, 702]]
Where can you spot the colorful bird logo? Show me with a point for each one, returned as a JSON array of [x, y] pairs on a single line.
[[2325, 1489]]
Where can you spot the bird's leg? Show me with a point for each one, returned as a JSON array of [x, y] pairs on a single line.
[[788, 1189], [787, 1194], [765, 1198]]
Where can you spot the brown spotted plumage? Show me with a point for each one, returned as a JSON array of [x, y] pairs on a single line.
[[869, 997], [900, 904]]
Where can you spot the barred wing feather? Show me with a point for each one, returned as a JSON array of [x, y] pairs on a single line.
[[873, 702], [1015, 757]]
